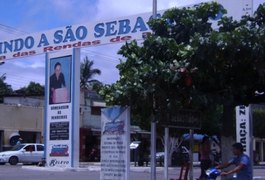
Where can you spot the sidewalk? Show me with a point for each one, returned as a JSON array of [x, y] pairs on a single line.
[[195, 164], [259, 171]]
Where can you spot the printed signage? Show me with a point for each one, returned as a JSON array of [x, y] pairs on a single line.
[[186, 119], [244, 128], [62, 109], [76, 36], [115, 143], [96, 33]]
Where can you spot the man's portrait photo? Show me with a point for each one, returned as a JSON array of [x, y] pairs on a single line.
[[60, 80]]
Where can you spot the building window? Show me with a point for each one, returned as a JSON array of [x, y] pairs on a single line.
[[40, 148]]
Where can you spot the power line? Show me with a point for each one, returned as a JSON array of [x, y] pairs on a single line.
[[11, 30], [16, 79], [103, 54], [24, 82], [102, 59]]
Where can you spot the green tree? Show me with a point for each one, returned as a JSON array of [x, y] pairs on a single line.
[[259, 123], [230, 63], [155, 80], [3, 77], [188, 64], [87, 73], [33, 89], [157, 76], [5, 89]]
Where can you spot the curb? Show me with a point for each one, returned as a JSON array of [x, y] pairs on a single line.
[[55, 169]]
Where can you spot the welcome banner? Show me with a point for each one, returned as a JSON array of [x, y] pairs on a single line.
[[96, 33]]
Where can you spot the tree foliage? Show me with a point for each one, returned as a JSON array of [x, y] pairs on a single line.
[[87, 74], [186, 63], [156, 78], [259, 123], [5, 89], [33, 89]]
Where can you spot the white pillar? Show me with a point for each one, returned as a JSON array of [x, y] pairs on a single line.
[[153, 150], [262, 150], [166, 153], [191, 154]]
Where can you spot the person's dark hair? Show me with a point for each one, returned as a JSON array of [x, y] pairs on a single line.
[[238, 146], [57, 64]]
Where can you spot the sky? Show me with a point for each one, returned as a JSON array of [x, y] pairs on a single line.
[[18, 17]]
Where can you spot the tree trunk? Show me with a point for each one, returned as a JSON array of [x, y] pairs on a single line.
[[228, 132], [228, 120], [173, 144], [226, 148]]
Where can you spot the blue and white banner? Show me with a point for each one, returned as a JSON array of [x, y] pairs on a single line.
[[244, 128], [62, 109], [96, 33], [115, 143], [76, 36]]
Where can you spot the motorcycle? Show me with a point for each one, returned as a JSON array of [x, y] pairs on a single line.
[[212, 173]]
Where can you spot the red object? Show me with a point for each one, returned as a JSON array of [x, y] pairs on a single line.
[[188, 80], [184, 171]]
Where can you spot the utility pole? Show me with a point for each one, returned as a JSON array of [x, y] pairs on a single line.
[[191, 154], [153, 123]]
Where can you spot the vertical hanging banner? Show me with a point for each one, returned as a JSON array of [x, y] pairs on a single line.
[[62, 109], [244, 128], [115, 143]]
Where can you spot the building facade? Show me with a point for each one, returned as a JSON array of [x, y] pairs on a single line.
[[24, 117], [90, 125], [21, 117]]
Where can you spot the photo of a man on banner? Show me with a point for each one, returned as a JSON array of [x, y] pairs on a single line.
[[60, 78]]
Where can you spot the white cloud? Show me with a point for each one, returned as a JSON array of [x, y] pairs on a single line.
[[75, 10], [20, 72], [29, 62], [116, 8]]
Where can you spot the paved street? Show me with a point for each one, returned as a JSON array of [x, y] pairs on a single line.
[[90, 172]]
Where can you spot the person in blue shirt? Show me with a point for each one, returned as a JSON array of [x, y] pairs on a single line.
[[242, 164]]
